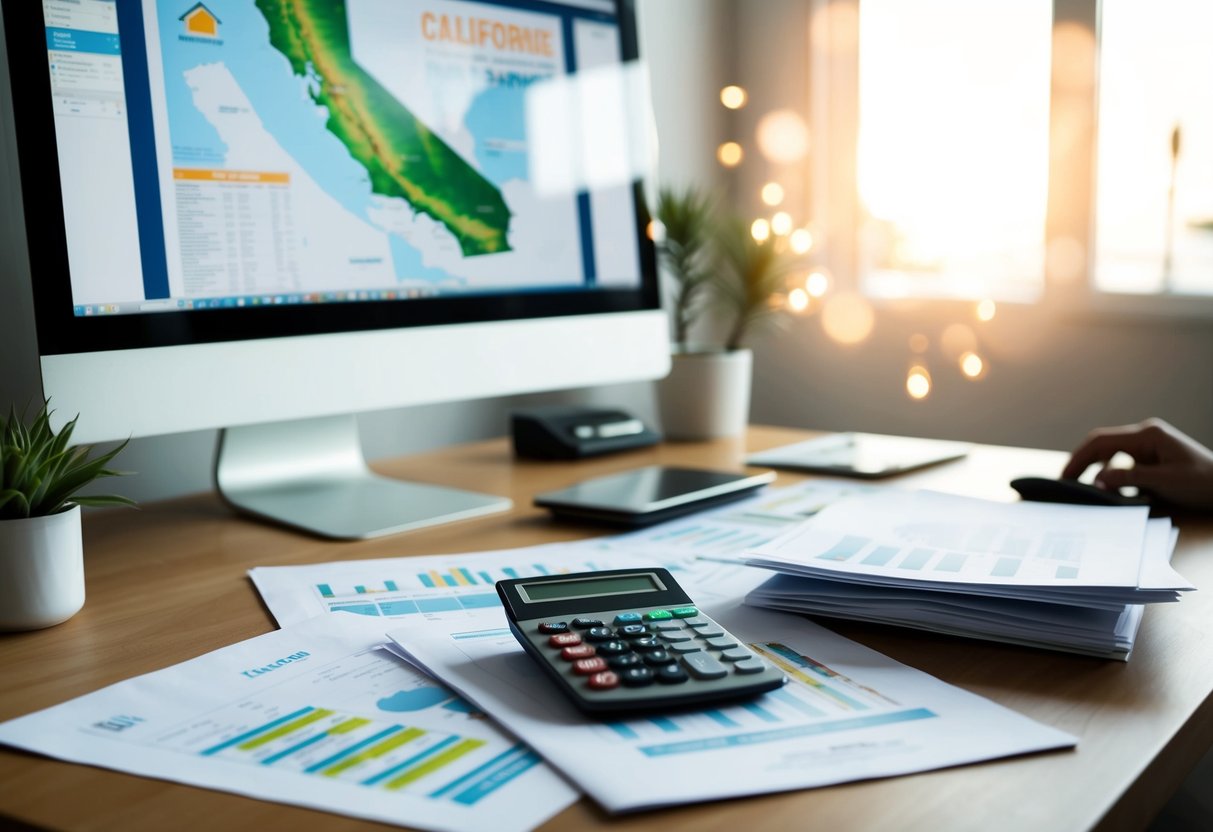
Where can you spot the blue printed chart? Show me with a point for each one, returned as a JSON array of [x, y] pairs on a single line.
[[436, 586], [315, 715]]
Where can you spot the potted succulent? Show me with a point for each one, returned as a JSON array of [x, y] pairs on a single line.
[[714, 264], [41, 554]]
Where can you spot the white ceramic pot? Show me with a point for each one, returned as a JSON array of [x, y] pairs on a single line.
[[41, 570], [706, 395]]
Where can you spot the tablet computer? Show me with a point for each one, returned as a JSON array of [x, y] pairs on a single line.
[[865, 455], [650, 495]]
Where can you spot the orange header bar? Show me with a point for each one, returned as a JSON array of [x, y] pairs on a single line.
[[204, 175]]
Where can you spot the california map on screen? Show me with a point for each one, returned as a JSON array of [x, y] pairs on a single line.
[[320, 146]]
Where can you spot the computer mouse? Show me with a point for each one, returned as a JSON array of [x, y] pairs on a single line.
[[1045, 490]]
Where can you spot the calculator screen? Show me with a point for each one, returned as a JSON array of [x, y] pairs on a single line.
[[590, 587]]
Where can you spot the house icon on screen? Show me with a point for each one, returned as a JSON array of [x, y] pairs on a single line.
[[201, 21]]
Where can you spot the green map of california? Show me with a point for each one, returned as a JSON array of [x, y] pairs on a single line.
[[403, 157]]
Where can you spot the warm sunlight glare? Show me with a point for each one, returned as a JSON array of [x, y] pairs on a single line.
[[817, 283], [760, 230], [729, 154], [772, 193], [972, 365], [783, 137], [798, 300], [986, 310], [801, 241], [953, 165], [781, 223], [847, 318], [918, 382], [733, 97]]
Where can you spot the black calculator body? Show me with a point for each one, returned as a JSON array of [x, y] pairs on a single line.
[[626, 641]]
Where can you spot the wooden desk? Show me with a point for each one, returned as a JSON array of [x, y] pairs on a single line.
[[168, 583]]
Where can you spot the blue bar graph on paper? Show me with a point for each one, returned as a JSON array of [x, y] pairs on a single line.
[[359, 609], [391, 586], [465, 573], [399, 767], [326, 591], [917, 558], [427, 581], [438, 604], [248, 735], [541, 569], [449, 580], [1006, 567], [352, 749], [269, 761], [786, 732], [361, 590], [761, 712], [722, 719], [480, 771], [951, 562], [623, 730], [880, 556], [487, 578], [846, 548], [398, 607], [476, 602], [664, 724], [510, 572], [797, 704], [496, 779]]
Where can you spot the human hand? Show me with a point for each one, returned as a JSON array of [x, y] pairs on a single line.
[[1168, 463]]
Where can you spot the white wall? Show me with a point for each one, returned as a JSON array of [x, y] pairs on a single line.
[[681, 40]]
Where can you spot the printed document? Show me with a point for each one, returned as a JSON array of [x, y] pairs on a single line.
[[315, 715], [847, 713]]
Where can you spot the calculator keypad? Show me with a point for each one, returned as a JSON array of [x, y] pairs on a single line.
[[666, 647]]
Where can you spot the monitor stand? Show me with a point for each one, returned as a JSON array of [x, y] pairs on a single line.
[[310, 474]]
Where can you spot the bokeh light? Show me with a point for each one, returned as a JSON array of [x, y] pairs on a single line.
[[654, 230], [760, 230], [919, 343], [847, 318], [986, 310], [956, 340], [733, 97], [801, 241], [772, 193], [817, 283], [918, 382], [798, 300], [783, 137], [972, 365], [730, 154], [781, 223]]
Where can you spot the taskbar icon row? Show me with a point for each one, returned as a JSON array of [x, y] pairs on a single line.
[[246, 301]]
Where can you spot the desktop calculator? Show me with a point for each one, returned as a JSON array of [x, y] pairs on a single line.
[[630, 640]]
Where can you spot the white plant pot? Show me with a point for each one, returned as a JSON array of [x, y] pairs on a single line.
[[706, 395], [41, 570]]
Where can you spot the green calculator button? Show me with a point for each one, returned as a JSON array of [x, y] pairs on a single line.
[[658, 615], [684, 612]]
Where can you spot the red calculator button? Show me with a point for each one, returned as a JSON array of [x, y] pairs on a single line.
[[579, 651], [584, 667], [564, 640], [605, 680]]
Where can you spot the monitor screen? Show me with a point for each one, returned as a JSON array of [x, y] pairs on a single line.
[[242, 169], [267, 216]]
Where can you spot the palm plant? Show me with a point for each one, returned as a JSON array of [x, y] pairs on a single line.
[[749, 282], [40, 473], [686, 250]]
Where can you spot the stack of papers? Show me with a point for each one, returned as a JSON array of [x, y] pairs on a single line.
[[1071, 578]]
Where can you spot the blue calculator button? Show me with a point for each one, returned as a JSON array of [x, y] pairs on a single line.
[[551, 627], [627, 618]]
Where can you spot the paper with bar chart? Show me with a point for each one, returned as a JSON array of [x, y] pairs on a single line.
[[315, 715], [435, 586], [847, 713], [897, 537]]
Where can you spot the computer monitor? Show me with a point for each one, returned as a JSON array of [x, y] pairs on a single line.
[[268, 215]]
